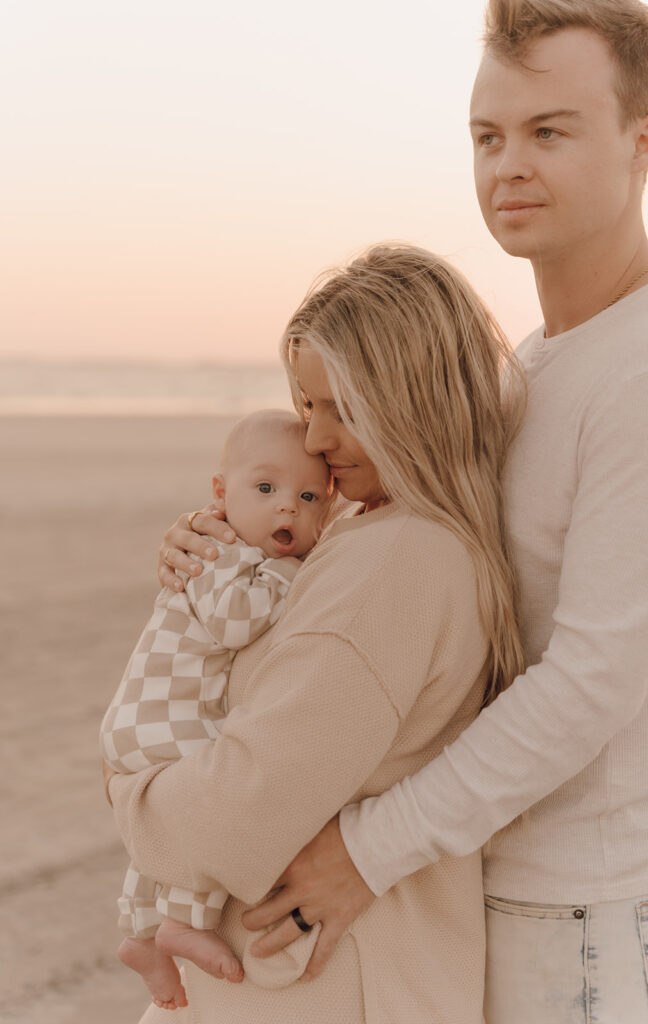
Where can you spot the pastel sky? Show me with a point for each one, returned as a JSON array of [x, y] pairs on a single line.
[[176, 173]]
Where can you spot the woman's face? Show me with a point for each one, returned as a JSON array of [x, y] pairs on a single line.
[[355, 475]]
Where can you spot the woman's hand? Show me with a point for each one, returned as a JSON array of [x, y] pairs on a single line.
[[184, 538], [324, 883]]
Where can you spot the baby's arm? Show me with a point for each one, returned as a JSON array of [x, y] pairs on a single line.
[[238, 597], [233, 602]]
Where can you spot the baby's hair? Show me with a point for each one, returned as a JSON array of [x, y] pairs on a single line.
[[513, 26], [279, 421], [424, 379]]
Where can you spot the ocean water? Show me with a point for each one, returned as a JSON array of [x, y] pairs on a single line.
[[35, 388]]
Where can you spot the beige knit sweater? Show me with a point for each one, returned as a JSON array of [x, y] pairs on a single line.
[[375, 665]]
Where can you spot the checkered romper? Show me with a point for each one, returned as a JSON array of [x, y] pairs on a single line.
[[171, 699]]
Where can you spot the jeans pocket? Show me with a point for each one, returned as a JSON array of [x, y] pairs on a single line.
[[551, 911], [534, 963]]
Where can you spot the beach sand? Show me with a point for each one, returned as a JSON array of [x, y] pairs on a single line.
[[84, 503]]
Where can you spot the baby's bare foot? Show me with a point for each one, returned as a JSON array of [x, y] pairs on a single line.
[[158, 969], [203, 948]]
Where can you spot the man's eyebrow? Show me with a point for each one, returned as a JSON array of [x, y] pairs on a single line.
[[549, 115], [545, 115]]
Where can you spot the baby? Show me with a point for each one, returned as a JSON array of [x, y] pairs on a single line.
[[172, 698]]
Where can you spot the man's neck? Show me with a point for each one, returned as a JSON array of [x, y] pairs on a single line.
[[575, 288]]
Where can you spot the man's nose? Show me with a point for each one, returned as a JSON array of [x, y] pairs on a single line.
[[514, 163]]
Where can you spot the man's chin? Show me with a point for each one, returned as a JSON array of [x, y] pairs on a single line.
[[523, 247]]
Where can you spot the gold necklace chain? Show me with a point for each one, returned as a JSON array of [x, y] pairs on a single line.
[[627, 288]]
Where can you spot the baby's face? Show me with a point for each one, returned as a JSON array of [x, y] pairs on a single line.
[[276, 495]]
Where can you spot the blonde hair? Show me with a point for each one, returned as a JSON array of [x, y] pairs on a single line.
[[512, 26], [426, 382]]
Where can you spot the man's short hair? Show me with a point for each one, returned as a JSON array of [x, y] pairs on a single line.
[[513, 26]]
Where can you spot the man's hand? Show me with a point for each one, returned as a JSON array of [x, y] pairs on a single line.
[[324, 883], [183, 538]]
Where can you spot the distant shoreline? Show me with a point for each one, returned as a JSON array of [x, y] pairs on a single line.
[[139, 390], [110, 408]]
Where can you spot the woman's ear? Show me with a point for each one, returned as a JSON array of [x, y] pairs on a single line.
[[218, 492]]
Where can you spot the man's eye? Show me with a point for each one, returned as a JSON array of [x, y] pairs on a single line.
[[265, 488], [308, 496], [545, 134]]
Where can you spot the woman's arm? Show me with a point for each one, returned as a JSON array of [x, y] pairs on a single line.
[[214, 816], [183, 539], [238, 810]]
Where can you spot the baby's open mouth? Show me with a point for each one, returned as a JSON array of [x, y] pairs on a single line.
[[282, 536]]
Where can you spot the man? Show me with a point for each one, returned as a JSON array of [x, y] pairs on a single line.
[[552, 777]]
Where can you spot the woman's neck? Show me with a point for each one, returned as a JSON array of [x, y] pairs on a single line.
[[369, 506]]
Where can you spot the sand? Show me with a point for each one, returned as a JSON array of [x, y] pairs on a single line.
[[83, 505]]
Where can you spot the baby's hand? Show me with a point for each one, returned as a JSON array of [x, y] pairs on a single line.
[[185, 538]]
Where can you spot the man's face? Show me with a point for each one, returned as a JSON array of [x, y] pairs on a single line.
[[554, 169]]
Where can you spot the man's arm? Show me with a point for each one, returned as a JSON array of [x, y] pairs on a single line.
[[547, 726], [554, 720]]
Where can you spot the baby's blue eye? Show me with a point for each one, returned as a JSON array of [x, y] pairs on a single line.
[[308, 496], [265, 488]]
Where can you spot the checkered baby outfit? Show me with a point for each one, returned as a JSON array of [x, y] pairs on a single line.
[[143, 903], [170, 700]]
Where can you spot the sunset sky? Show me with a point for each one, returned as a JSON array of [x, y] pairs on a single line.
[[175, 174]]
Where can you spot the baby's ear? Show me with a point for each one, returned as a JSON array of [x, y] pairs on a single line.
[[218, 491]]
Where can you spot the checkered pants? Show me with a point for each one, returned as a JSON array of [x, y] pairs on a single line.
[[143, 903]]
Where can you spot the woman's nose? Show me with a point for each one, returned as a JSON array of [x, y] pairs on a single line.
[[319, 439]]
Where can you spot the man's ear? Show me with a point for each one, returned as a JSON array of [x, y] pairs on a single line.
[[218, 491], [640, 158]]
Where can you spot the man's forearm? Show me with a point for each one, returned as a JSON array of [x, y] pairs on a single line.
[[537, 735]]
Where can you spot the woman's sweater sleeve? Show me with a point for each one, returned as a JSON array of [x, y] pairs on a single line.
[[556, 718], [237, 811]]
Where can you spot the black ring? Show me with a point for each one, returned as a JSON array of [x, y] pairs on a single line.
[[299, 920]]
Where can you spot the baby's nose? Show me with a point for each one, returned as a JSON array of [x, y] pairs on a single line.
[[287, 504]]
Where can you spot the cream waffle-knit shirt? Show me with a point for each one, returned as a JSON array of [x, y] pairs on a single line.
[[377, 662], [569, 739]]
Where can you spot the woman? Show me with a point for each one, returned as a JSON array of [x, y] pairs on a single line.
[[397, 628]]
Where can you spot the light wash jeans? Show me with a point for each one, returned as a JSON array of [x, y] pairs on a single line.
[[576, 964]]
